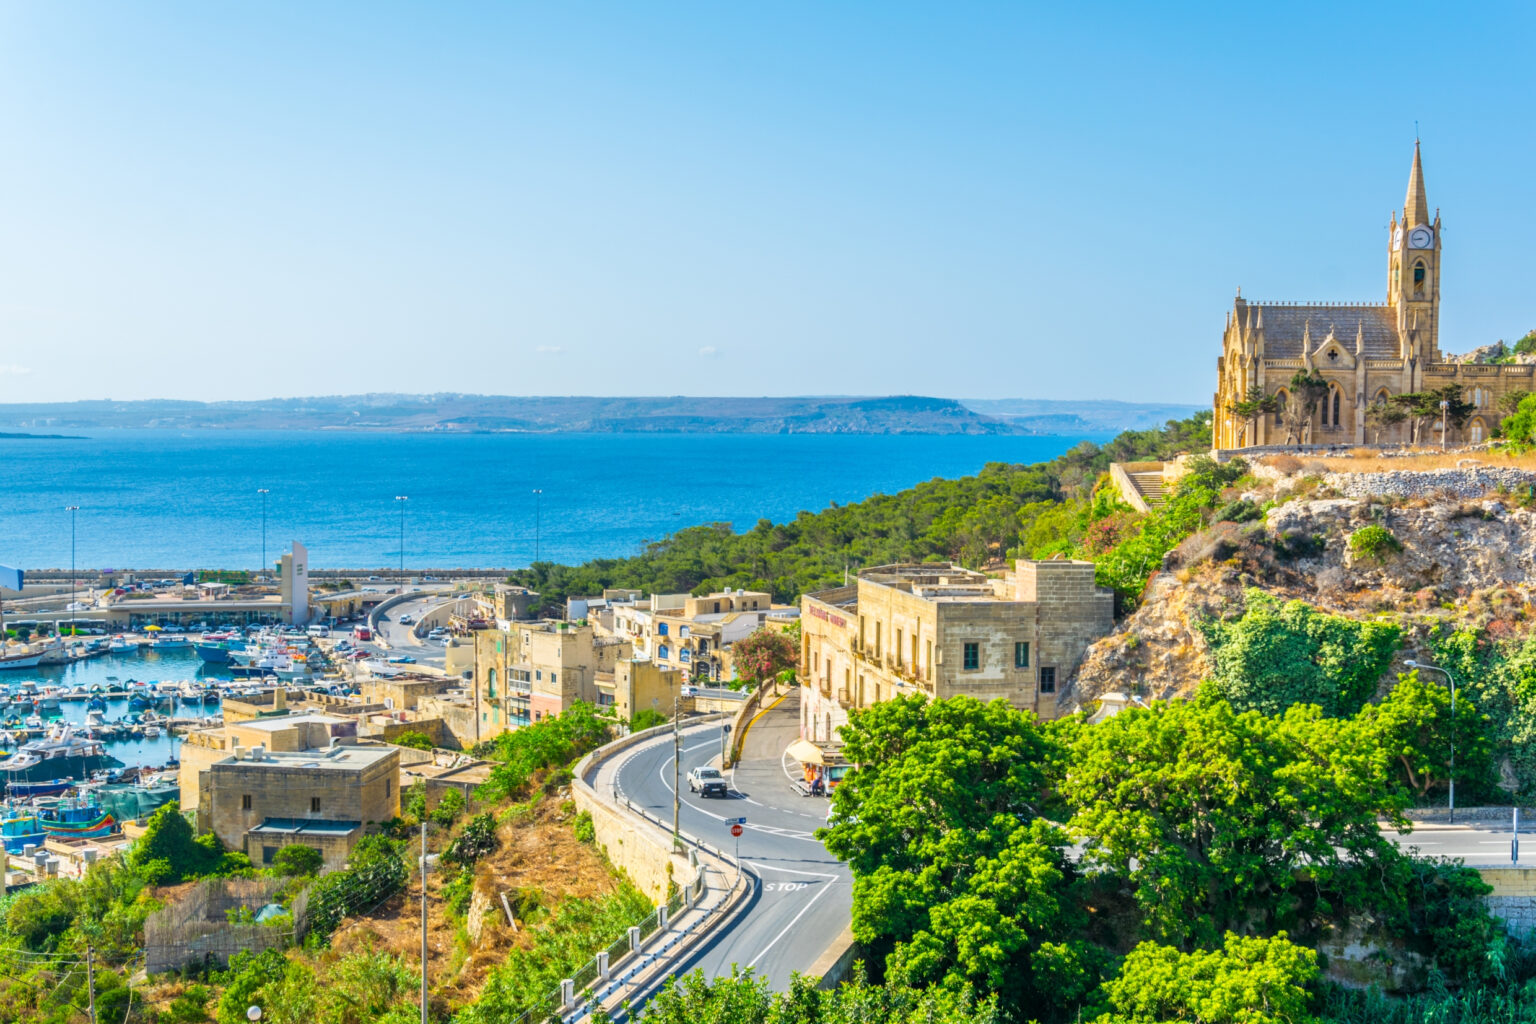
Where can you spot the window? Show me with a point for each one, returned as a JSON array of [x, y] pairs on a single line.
[[1280, 400], [661, 629], [268, 853], [314, 805], [684, 655], [683, 631], [1477, 431], [245, 802], [717, 606], [1047, 680], [901, 637], [1338, 397], [389, 788], [552, 679], [663, 652], [703, 646], [1418, 277], [1021, 655], [972, 655], [877, 638], [490, 685], [929, 664]]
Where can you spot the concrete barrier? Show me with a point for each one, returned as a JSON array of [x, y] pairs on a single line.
[[835, 965], [385, 605]]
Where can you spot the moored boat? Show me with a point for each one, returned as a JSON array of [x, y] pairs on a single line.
[[20, 829], [81, 818]]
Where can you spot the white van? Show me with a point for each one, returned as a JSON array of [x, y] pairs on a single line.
[[319, 631]]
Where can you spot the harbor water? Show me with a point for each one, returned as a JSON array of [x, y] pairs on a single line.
[[112, 671]]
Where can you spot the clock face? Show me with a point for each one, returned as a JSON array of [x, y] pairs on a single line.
[[1421, 238], [1397, 239]]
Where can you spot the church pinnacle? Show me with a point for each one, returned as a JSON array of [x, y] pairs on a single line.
[[1416, 205]]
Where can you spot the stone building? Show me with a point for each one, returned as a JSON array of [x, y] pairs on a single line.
[[694, 634], [943, 631], [538, 669], [302, 779], [1366, 351], [637, 684]]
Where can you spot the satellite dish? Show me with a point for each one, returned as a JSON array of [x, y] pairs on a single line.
[[253, 1013]]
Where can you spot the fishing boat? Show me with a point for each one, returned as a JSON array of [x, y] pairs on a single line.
[[28, 790], [81, 818], [95, 703], [33, 722], [19, 830], [218, 652], [163, 642], [63, 753], [119, 644], [49, 706], [95, 718], [151, 732]]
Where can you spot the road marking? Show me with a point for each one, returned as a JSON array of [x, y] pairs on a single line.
[[794, 920], [788, 871]]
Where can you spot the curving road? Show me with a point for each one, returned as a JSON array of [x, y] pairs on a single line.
[[802, 900]]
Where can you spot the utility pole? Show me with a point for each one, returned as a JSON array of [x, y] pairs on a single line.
[[74, 583], [1444, 409], [402, 499], [262, 568], [538, 509], [677, 768], [423, 922], [90, 977]]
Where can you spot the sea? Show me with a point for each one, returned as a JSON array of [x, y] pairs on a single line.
[[112, 671], [168, 499]]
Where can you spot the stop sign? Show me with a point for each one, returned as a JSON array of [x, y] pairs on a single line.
[[736, 831]]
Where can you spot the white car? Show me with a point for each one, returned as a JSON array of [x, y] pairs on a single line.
[[707, 781]]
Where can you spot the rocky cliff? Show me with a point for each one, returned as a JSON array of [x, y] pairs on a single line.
[[1459, 545]]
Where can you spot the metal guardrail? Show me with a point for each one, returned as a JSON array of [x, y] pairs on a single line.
[[554, 1006]]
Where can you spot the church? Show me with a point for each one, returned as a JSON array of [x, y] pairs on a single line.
[[1366, 351]]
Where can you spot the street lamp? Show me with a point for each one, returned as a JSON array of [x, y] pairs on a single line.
[[538, 503], [263, 566], [74, 584], [1435, 668], [402, 499]]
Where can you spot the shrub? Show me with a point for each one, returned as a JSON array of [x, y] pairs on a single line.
[[1374, 543], [449, 806], [476, 840], [413, 739], [586, 832], [297, 859], [1241, 511]]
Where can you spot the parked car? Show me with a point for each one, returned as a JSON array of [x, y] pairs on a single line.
[[406, 620], [707, 781], [402, 659]]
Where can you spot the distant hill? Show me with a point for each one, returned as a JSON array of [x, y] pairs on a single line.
[[1049, 416], [459, 413]]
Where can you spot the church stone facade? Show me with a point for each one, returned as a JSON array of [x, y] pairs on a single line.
[[1366, 351]]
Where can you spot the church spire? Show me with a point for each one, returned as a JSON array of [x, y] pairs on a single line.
[[1416, 206]]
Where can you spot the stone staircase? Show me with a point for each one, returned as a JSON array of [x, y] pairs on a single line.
[[1141, 484]]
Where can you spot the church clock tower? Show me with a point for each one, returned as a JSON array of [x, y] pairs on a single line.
[[1413, 271]]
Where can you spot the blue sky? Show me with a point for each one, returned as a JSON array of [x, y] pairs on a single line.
[[967, 199]]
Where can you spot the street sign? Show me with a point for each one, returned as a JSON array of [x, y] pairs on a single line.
[[736, 831], [735, 821]]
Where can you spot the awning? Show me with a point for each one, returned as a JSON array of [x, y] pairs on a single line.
[[806, 752]]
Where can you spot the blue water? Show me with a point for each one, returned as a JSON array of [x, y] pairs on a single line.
[[168, 500], [114, 670]]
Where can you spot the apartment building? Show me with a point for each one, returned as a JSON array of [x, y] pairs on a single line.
[[537, 669], [693, 635], [943, 630]]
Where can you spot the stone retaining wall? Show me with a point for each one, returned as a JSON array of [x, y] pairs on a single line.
[[1466, 482]]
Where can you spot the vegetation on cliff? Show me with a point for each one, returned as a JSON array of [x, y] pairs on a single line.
[[972, 520]]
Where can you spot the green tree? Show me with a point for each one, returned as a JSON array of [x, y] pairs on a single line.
[[1307, 389], [1423, 408], [1253, 404], [1520, 427], [955, 873], [1246, 981], [1278, 655], [1223, 821], [1413, 725], [1383, 415]]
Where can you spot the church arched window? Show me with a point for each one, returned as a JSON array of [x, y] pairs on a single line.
[[1476, 431], [1419, 274], [1382, 397], [1335, 402], [1280, 400]]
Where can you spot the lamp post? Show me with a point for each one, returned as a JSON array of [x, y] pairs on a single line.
[[677, 769], [538, 508], [263, 567], [1445, 407], [1435, 668], [74, 584], [402, 499]]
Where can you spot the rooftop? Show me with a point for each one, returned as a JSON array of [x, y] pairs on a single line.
[[300, 826], [340, 758]]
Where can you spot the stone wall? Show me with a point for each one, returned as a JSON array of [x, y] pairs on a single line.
[[1464, 482], [1513, 897]]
